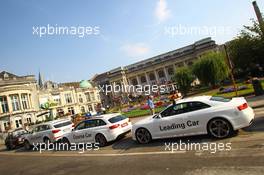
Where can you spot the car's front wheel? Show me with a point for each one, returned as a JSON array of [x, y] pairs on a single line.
[[219, 128], [27, 145], [143, 136]]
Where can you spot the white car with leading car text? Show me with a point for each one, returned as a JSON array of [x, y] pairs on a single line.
[[217, 116]]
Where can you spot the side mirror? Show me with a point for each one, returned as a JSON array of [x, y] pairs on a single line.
[[157, 116]]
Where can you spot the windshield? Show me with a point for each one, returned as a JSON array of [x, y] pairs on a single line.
[[220, 99], [117, 118], [63, 124]]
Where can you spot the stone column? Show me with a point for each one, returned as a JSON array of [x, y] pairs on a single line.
[[166, 73], [147, 78], [1, 111], [156, 76], [9, 103], [20, 103], [138, 80]]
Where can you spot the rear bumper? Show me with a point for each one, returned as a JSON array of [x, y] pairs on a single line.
[[119, 132], [244, 119]]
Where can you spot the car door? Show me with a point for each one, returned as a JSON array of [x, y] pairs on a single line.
[[36, 136], [196, 117], [78, 134], [171, 121]]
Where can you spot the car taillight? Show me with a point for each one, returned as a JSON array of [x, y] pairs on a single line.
[[242, 107], [55, 131], [114, 126]]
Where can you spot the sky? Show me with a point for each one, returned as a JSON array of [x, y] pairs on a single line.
[[121, 32]]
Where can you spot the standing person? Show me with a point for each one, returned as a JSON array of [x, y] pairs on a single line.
[[151, 105]]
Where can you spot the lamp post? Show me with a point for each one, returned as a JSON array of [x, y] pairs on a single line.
[[230, 66]]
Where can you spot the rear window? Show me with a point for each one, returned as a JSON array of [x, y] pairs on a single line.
[[220, 99], [63, 124], [117, 118]]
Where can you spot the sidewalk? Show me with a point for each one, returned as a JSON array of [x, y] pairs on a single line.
[[256, 101]]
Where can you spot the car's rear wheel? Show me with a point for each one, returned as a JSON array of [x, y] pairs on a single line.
[[47, 142], [66, 143], [219, 128], [27, 145], [101, 140], [143, 136], [9, 147]]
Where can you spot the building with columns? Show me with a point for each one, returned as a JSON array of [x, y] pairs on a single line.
[[68, 98], [24, 101], [157, 70], [18, 100]]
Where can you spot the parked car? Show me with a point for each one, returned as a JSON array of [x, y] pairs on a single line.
[[217, 116], [15, 139], [48, 132], [99, 129]]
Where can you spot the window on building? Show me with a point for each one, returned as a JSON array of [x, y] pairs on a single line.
[[57, 99], [143, 79], [80, 98], [15, 102], [170, 71], [92, 96], [24, 100], [4, 105], [6, 125], [152, 77], [87, 96], [82, 109], [29, 120], [18, 123], [134, 81], [90, 108], [60, 112], [68, 98], [161, 74], [71, 110]]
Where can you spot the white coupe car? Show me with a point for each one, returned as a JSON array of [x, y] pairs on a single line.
[[217, 116], [99, 129]]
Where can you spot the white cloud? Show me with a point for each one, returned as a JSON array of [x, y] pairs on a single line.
[[135, 50], [162, 12]]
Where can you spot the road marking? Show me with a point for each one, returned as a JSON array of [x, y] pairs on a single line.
[[94, 155]]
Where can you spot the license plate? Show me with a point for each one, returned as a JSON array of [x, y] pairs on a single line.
[[124, 124]]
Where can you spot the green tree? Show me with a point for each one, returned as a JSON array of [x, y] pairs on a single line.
[[183, 77], [247, 51], [211, 68]]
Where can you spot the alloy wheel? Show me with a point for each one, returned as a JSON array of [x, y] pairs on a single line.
[[219, 128], [143, 136]]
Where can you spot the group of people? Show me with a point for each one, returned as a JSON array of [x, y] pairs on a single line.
[[173, 98]]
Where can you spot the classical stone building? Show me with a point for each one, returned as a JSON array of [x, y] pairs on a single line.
[[68, 98], [157, 70], [24, 101], [18, 100]]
